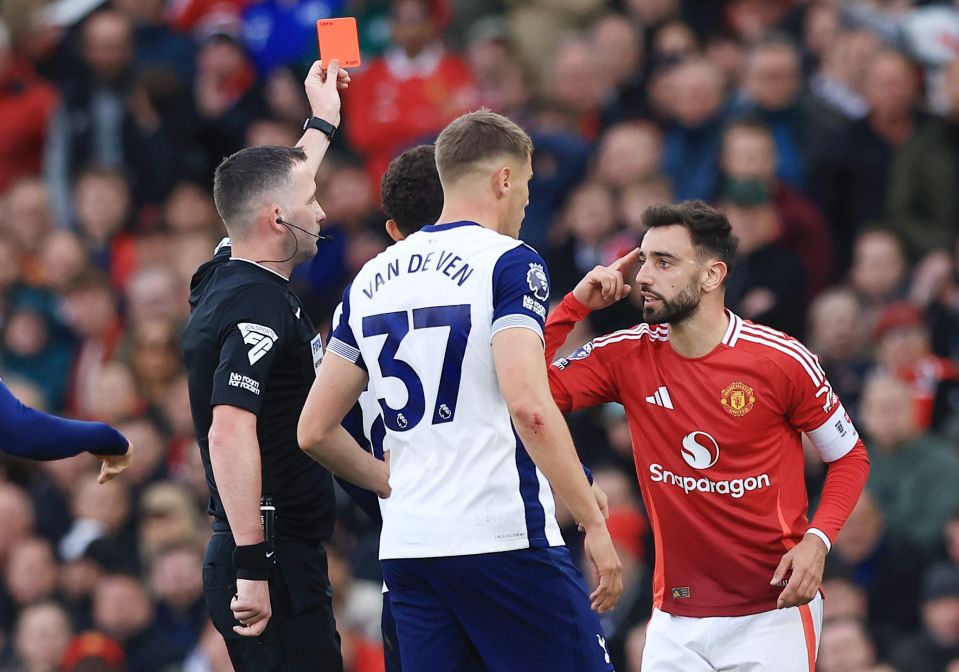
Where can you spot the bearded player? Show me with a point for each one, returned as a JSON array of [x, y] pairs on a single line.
[[716, 407]]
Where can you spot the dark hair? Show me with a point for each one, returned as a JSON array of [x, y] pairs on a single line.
[[476, 137], [752, 123], [410, 190], [708, 227], [249, 174]]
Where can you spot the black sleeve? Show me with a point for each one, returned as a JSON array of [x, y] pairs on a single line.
[[254, 327]]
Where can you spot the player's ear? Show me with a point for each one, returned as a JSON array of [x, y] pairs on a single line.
[[393, 231], [501, 182], [715, 273]]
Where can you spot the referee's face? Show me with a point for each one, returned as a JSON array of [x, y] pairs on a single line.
[[304, 211]]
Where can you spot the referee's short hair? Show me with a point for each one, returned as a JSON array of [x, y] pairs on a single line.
[[475, 138], [250, 174]]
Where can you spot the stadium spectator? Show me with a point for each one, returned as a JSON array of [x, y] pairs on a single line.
[[31, 574], [749, 155], [169, 520], [911, 471], [846, 647], [26, 103], [770, 88], [29, 221], [836, 334], [101, 203], [767, 281], [885, 567], [62, 258], [90, 307], [628, 153], [937, 643], [122, 610], [847, 182], [923, 203], [692, 143], [227, 94], [409, 93], [879, 271], [903, 348], [177, 586], [42, 634], [88, 126], [618, 44]]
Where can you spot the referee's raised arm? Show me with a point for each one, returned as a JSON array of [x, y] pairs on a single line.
[[325, 107]]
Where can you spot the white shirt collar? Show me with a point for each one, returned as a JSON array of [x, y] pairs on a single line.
[[250, 261], [424, 64]]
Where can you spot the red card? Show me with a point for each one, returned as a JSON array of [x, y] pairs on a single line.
[[339, 40]]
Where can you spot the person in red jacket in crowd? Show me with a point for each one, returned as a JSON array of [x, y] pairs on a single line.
[[26, 103], [411, 92], [904, 349]]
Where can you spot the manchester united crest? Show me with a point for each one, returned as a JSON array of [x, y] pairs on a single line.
[[738, 399]]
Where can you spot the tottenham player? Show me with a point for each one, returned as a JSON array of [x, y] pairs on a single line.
[[447, 328], [716, 406]]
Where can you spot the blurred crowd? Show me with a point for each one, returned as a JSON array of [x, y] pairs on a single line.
[[827, 130]]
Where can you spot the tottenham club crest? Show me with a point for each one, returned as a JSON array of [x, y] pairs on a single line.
[[538, 284], [738, 399]]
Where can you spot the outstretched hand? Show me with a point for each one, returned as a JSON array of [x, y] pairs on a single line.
[[113, 465], [604, 285]]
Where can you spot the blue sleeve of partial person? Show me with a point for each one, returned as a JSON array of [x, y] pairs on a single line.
[[365, 499], [26, 432]]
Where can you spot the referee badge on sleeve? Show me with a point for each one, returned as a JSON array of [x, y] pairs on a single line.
[[259, 338]]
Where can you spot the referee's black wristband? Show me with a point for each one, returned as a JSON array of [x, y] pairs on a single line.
[[255, 562]]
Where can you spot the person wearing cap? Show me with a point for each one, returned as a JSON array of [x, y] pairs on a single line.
[[903, 348], [767, 284], [937, 644], [93, 651]]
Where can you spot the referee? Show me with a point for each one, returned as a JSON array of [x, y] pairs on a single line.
[[251, 353]]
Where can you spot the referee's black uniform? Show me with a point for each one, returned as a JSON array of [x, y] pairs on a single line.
[[250, 344]]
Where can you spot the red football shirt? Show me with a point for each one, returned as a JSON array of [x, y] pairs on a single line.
[[718, 450]]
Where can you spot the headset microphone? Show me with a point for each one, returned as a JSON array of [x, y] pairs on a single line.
[[299, 228]]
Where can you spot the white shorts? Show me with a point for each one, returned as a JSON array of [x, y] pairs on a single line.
[[782, 640]]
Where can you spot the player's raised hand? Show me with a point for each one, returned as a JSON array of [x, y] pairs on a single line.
[[803, 565], [322, 89], [607, 569], [251, 607], [604, 285]]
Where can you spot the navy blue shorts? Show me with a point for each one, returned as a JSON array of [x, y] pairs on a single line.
[[515, 611]]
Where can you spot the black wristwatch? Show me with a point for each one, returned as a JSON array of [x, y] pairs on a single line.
[[322, 125]]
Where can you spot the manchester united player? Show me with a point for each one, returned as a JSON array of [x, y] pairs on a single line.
[[716, 407]]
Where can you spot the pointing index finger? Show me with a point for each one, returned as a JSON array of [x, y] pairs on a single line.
[[625, 261]]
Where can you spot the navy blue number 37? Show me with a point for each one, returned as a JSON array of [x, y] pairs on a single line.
[[395, 326]]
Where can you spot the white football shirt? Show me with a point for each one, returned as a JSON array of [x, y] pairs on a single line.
[[420, 318]]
